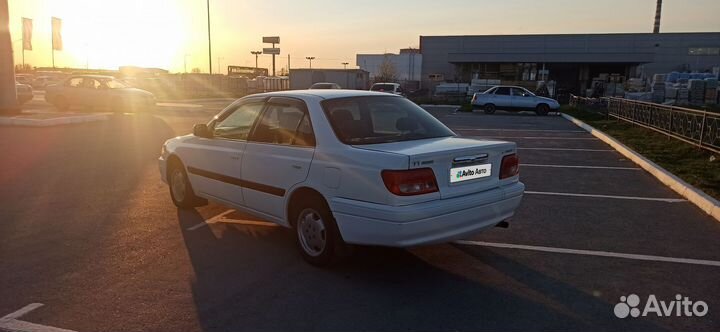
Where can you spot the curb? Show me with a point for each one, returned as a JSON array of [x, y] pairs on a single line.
[[6, 121], [706, 203]]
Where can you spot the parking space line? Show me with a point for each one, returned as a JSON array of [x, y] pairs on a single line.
[[586, 167], [592, 253], [538, 137], [210, 221], [11, 323], [568, 149], [533, 130], [24, 310], [654, 199]]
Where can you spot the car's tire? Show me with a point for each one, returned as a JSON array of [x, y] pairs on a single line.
[[61, 103], [489, 108], [542, 109], [181, 190], [317, 234]]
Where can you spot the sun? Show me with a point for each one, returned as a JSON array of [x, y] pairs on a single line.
[[108, 34]]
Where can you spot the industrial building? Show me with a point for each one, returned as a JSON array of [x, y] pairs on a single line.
[[303, 78], [406, 66], [572, 60]]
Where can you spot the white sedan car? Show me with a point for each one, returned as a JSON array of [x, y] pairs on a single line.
[[344, 167], [513, 98]]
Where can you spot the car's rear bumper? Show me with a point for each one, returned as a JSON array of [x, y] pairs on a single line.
[[425, 223]]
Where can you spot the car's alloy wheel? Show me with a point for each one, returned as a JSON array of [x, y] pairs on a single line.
[[542, 109], [181, 190], [312, 233], [177, 184], [489, 109]]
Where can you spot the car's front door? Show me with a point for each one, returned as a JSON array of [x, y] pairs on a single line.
[[502, 98], [521, 99], [278, 155], [214, 164]]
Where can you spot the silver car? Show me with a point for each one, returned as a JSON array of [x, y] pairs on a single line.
[[98, 91], [513, 98]]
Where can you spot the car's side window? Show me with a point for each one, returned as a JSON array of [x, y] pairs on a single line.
[[518, 92], [238, 124], [75, 82], [503, 91], [285, 124]]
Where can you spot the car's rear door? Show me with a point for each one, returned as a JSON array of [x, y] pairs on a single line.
[[502, 98], [214, 164], [521, 99], [278, 155]]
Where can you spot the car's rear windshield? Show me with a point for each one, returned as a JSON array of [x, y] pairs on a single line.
[[383, 87], [380, 119], [322, 86]]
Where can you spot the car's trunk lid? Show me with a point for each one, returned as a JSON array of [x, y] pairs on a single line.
[[478, 161]]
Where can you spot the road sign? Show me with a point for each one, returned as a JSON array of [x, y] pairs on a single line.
[[270, 50], [271, 40]]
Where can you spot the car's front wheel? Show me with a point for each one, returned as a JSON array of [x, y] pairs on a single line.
[[542, 109], [318, 237], [181, 190], [489, 109]]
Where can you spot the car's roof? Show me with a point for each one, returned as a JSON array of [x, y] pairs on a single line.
[[324, 94], [387, 83], [507, 86]]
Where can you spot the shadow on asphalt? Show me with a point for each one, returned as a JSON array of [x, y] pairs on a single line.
[[247, 280]]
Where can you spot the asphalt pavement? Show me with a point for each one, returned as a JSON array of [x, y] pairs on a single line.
[[88, 230]]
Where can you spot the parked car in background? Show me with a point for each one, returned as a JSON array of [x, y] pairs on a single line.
[[40, 82], [98, 91], [344, 167], [393, 88], [325, 86], [513, 98], [24, 78], [24, 93]]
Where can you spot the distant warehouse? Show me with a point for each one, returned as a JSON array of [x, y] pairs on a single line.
[[571, 60]]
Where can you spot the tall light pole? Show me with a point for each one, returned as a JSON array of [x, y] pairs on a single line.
[[185, 62], [256, 54], [347, 77], [209, 44], [219, 66], [310, 58]]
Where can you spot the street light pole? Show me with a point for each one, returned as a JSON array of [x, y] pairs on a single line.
[[219, 66], [347, 77], [185, 62], [256, 54], [310, 58], [209, 44], [345, 65]]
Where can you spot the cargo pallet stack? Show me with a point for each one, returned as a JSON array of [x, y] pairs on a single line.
[[711, 91], [658, 88], [697, 91]]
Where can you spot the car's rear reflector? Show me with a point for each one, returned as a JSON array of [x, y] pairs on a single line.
[[510, 166], [410, 182]]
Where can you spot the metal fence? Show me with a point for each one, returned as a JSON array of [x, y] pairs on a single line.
[[699, 128]]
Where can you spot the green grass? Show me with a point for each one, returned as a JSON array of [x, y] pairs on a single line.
[[696, 166]]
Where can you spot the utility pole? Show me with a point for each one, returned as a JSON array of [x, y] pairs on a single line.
[[209, 44], [310, 58], [219, 66], [658, 11], [185, 62], [256, 54]]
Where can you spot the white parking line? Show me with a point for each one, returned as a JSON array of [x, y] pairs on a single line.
[[534, 130], [220, 218], [11, 323], [567, 149], [588, 167], [592, 253], [666, 200], [535, 137], [210, 221]]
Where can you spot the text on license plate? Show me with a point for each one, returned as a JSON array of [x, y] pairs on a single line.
[[465, 173]]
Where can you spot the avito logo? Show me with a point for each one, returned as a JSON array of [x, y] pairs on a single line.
[[680, 307]]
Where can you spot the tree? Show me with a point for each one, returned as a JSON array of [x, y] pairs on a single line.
[[386, 72], [195, 70]]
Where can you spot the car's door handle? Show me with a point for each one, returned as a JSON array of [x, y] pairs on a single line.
[[296, 166]]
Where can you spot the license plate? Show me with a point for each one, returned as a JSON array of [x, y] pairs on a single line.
[[459, 174]]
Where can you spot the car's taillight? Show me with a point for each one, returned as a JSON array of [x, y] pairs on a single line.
[[410, 182], [510, 166]]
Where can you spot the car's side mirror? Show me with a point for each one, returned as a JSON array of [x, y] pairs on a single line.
[[202, 130]]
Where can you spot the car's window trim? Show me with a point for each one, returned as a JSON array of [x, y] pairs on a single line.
[[304, 109], [230, 110]]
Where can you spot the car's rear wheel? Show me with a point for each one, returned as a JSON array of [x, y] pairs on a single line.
[[61, 103], [318, 237], [489, 108], [181, 190], [542, 109]]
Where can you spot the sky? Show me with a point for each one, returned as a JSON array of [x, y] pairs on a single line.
[[172, 34]]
